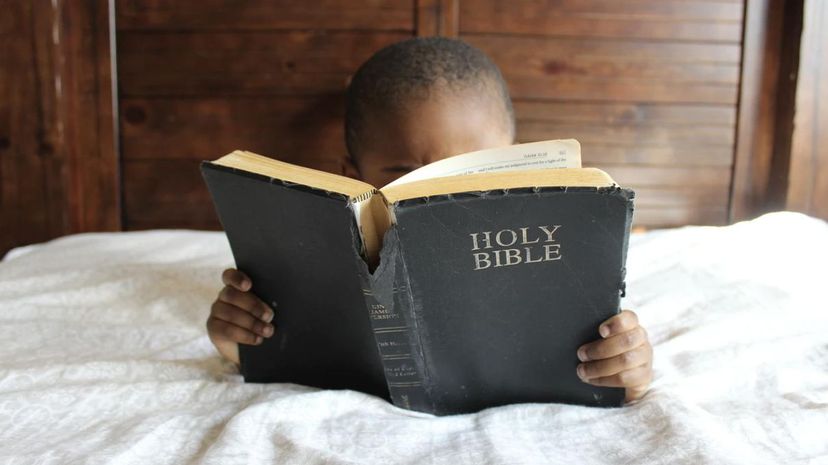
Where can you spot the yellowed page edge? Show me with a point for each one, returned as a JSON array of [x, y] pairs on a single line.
[[550, 177]]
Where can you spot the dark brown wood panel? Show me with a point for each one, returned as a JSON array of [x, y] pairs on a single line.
[[649, 88], [680, 216], [682, 196], [87, 118], [701, 21], [179, 15], [250, 63], [166, 193], [437, 17], [636, 176], [639, 133], [629, 113], [293, 129], [628, 134], [808, 185], [606, 153], [297, 128], [31, 185], [610, 70], [58, 168], [757, 113]]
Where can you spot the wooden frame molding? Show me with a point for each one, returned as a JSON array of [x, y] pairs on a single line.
[[88, 114], [438, 18], [808, 182]]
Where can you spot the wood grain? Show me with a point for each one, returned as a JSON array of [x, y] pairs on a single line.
[[437, 17], [760, 78], [254, 63], [87, 119], [701, 21], [697, 137], [177, 15], [58, 168], [617, 71], [649, 88], [626, 113], [808, 185], [31, 187], [291, 128]]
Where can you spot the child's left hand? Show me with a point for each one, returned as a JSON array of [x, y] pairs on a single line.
[[622, 358]]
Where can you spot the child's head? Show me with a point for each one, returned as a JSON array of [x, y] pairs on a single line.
[[421, 100]]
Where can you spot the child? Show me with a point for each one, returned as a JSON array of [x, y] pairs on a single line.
[[413, 103]]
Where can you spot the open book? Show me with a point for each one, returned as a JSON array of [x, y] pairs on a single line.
[[465, 284]]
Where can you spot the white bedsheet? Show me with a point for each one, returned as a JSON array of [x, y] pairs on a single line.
[[104, 359]]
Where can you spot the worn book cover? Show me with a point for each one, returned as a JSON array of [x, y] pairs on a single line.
[[461, 287]]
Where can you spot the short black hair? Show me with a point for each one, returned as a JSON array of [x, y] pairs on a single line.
[[411, 69]]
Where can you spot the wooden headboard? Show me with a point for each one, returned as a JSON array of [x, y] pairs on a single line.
[[648, 87], [671, 97]]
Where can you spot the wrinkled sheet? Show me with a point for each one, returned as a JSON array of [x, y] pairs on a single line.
[[104, 358]]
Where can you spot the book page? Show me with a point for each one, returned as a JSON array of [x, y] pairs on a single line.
[[563, 153]]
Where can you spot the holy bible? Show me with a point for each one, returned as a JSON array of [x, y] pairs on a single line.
[[466, 284]]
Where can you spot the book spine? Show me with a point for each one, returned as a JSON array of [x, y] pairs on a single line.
[[403, 370], [388, 299]]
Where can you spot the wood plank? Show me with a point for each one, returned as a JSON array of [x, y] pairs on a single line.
[[808, 181], [87, 121], [176, 15], [620, 90], [696, 10], [632, 113], [31, 185], [169, 193], [294, 128], [682, 196], [634, 132], [165, 192], [616, 71], [526, 49], [757, 111], [628, 134], [212, 224], [58, 169], [636, 19], [437, 17], [255, 63], [637, 176], [606, 153], [654, 217], [290, 128]]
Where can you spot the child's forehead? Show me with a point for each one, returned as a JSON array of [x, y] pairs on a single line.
[[442, 125]]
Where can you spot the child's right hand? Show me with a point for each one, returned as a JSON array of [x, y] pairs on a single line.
[[238, 316]]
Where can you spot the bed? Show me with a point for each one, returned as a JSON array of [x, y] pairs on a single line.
[[104, 358]]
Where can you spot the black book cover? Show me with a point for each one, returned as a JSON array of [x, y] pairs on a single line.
[[496, 291], [300, 248], [480, 299]]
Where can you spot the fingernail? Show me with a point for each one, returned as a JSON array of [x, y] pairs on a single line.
[[259, 340], [268, 316], [245, 285], [582, 356], [604, 330], [581, 371], [268, 331]]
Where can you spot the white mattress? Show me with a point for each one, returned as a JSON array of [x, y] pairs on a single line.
[[104, 358]]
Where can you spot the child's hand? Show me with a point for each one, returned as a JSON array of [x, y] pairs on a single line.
[[622, 358], [238, 316]]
